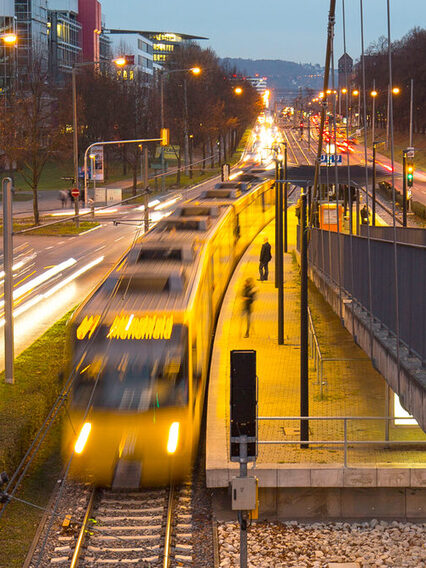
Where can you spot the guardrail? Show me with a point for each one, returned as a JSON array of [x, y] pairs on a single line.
[[345, 443], [319, 359]]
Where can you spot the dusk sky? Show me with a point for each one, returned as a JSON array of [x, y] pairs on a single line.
[[294, 30]]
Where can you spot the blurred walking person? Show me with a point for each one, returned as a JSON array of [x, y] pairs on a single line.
[[249, 296], [265, 258]]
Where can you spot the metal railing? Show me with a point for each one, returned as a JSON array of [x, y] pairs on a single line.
[[318, 358], [345, 443]]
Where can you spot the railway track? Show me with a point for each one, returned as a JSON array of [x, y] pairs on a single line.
[[151, 528]]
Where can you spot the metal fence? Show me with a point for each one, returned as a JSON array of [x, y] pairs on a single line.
[[352, 438], [344, 259]]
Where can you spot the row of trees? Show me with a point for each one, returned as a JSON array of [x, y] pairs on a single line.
[[36, 118], [408, 62]]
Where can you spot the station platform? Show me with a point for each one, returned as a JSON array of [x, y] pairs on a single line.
[[349, 387]]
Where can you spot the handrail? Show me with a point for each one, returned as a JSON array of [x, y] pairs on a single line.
[[345, 442]]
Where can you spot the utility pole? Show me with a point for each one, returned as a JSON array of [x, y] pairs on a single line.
[[75, 142], [374, 184], [304, 368], [411, 112], [8, 279], [404, 188], [145, 186], [279, 253], [285, 197]]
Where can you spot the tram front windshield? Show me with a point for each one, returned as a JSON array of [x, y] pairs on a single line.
[[133, 375]]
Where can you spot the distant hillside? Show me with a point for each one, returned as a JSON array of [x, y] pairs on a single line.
[[284, 76]]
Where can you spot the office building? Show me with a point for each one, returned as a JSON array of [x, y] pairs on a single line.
[[7, 51], [64, 32]]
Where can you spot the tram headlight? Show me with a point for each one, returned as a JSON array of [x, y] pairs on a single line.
[[173, 438], [82, 438]]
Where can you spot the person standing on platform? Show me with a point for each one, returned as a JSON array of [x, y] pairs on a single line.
[[249, 296], [265, 258], [364, 215]]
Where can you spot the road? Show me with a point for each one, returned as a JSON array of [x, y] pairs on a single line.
[[54, 274]]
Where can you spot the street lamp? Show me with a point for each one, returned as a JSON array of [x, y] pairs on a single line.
[[163, 73], [393, 91], [355, 93], [238, 91], [9, 38], [373, 94], [93, 161]]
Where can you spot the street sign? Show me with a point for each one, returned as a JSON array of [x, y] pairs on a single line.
[[410, 152], [75, 192], [331, 159]]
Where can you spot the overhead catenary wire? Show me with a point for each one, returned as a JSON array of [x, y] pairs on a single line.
[[370, 291]]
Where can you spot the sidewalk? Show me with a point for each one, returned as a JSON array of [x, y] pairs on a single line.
[[353, 388]]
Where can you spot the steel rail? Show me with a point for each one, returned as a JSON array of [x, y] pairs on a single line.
[[168, 538], [81, 534], [300, 148], [289, 145]]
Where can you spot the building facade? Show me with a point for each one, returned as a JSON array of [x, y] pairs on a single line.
[[163, 43], [345, 70], [32, 31], [64, 32], [7, 51], [140, 47]]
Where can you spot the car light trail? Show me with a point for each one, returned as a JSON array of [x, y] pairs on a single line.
[[40, 279], [233, 176], [37, 299], [167, 203]]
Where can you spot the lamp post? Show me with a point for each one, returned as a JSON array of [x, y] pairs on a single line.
[[120, 62], [393, 91], [9, 40], [355, 93], [373, 117], [93, 170], [163, 73]]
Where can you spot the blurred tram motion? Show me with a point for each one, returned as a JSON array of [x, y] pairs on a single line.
[[140, 343]]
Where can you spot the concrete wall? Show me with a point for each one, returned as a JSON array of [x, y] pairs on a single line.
[[330, 503]]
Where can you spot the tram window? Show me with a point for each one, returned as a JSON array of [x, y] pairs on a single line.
[[263, 203], [135, 375], [237, 230], [160, 254]]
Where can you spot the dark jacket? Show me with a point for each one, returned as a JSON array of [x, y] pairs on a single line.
[[265, 253]]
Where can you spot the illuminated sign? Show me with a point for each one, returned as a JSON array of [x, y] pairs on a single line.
[[144, 327], [87, 326]]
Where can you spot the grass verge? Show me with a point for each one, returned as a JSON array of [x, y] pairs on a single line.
[[63, 229], [23, 408]]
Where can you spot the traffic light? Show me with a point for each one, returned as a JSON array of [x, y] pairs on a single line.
[[165, 137], [410, 173]]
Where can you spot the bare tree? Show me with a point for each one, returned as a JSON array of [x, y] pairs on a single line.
[[33, 128]]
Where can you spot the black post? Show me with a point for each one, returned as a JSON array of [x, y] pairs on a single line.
[[304, 369], [374, 185], [357, 211], [404, 188], [279, 253], [285, 198], [276, 224]]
